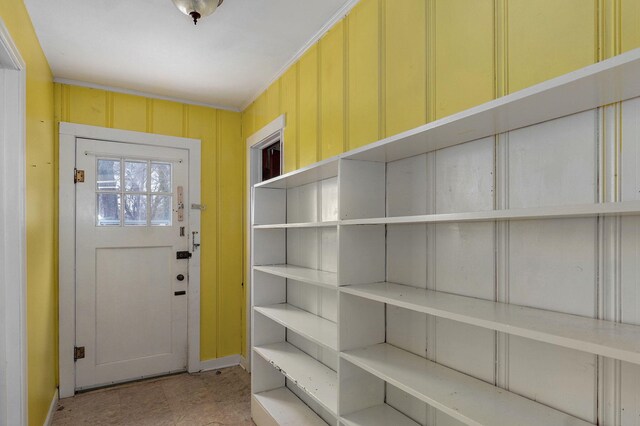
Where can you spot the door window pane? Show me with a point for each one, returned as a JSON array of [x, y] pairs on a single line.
[[135, 210], [108, 209], [108, 176], [160, 177], [161, 210], [135, 176]]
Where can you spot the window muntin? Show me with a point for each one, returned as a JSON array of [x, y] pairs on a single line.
[[133, 192]]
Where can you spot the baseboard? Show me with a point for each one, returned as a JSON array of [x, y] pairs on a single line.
[[52, 409], [244, 363], [218, 363]]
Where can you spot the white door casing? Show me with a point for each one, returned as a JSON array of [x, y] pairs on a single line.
[[130, 306], [69, 136], [13, 336]]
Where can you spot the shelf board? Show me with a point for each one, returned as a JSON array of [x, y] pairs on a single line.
[[610, 339], [625, 208], [314, 378], [379, 415], [286, 409], [316, 172], [608, 81], [298, 273], [310, 326], [298, 225], [463, 397]]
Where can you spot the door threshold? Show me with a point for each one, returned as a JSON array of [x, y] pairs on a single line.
[[126, 383]]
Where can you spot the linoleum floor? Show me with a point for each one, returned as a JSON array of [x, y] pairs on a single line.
[[214, 398]]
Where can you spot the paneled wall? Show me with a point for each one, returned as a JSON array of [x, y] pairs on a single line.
[[389, 66], [222, 307]]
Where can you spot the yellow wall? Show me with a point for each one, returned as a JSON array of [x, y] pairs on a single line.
[[41, 222], [389, 66], [222, 310]]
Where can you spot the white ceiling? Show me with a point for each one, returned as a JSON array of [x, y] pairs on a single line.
[[149, 46]]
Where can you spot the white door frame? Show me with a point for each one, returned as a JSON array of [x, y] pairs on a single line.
[[13, 273], [261, 139], [69, 132]]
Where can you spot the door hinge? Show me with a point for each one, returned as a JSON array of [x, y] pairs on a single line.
[[78, 352], [78, 176]]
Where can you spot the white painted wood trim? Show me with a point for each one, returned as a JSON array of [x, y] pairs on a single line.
[[310, 375], [624, 208], [310, 326], [275, 126], [13, 274], [329, 224], [68, 134], [340, 13], [79, 83], [282, 407], [52, 409], [316, 172], [298, 273], [600, 337], [218, 363], [252, 143]]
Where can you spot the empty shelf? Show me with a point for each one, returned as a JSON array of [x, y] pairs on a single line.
[[314, 378], [298, 225], [310, 326], [575, 211], [615, 340], [380, 415], [609, 81], [298, 273], [321, 170], [285, 409], [463, 397]]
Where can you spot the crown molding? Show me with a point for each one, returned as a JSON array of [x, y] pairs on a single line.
[[143, 94]]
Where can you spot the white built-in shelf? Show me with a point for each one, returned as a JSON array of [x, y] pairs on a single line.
[[310, 326], [463, 397], [298, 273], [610, 339], [298, 225], [321, 170], [379, 415], [314, 378], [606, 82], [286, 409], [626, 208]]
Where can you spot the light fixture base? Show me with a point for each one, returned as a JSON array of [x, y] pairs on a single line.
[[197, 9], [195, 15]]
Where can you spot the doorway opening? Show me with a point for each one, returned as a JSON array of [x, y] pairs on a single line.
[[271, 161]]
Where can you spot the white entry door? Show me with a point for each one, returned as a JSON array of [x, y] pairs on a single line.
[[131, 302]]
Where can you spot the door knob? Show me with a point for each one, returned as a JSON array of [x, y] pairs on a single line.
[[180, 277]]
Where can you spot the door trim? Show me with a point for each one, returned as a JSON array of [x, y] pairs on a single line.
[[13, 273], [69, 132]]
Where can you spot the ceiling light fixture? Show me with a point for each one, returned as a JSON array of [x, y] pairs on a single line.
[[197, 8]]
